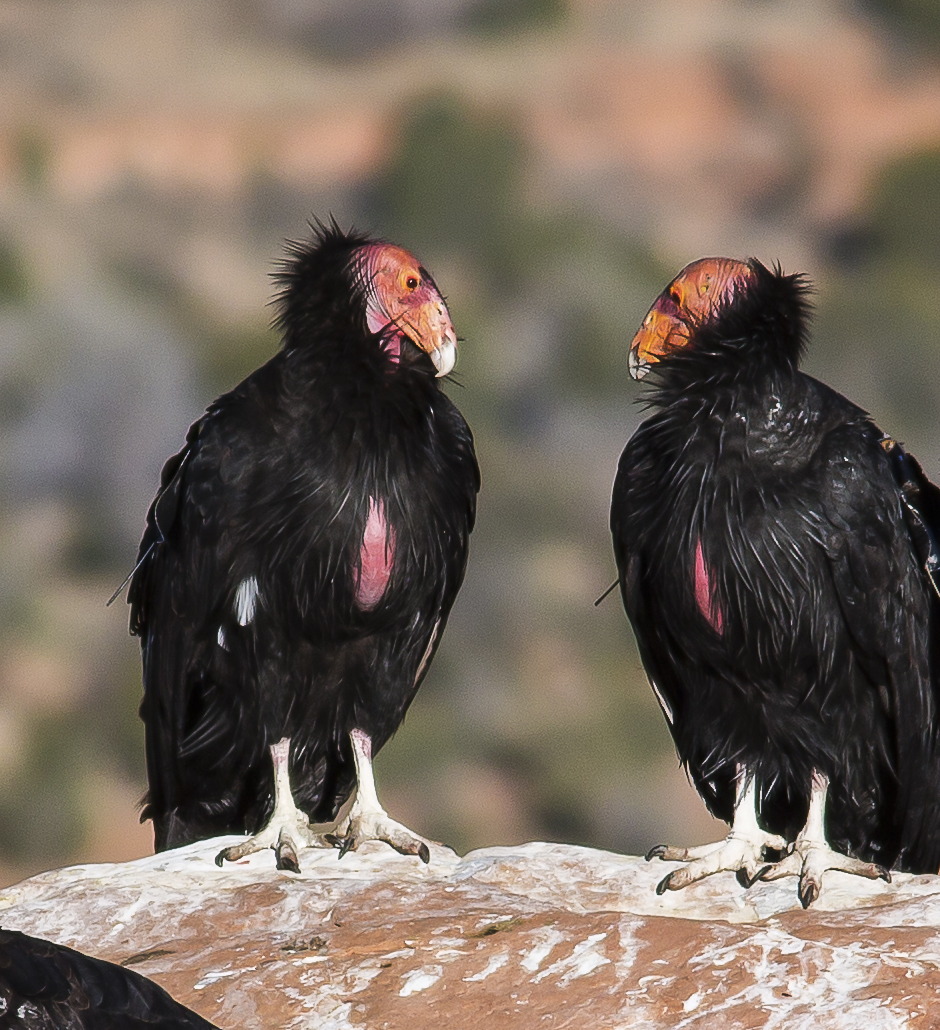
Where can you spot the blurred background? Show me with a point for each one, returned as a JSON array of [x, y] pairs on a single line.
[[554, 163]]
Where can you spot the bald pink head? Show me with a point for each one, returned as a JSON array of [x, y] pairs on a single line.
[[403, 300]]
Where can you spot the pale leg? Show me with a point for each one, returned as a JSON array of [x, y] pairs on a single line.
[[368, 820], [811, 855], [288, 830]]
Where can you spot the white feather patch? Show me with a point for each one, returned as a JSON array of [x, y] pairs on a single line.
[[247, 599], [663, 703], [427, 651]]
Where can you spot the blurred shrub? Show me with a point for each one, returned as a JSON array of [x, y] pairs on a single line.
[[14, 283], [878, 327], [31, 154], [499, 17], [454, 186], [919, 19]]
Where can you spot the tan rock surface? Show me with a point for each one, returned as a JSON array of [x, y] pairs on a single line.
[[543, 935]]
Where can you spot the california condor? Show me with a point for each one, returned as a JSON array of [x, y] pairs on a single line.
[[776, 555], [300, 561], [45, 986]]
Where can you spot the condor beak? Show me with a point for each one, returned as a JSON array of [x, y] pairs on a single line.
[[430, 327], [659, 334], [445, 357], [637, 368]]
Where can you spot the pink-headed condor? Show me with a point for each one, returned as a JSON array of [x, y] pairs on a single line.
[[300, 561]]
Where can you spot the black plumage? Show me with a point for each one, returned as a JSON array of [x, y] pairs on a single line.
[[305, 547], [45, 986], [775, 552]]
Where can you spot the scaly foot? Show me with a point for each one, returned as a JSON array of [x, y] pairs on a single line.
[[368, 820], [288, 830], [372, 825], [811, 855], [809, 859], [739, 852]]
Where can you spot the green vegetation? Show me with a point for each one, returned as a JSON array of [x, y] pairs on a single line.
[[878, 328], [14, 282], [454, 187], [918, 19], [491, 18], [32, 158]]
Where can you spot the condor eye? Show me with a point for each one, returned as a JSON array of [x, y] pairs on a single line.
[[411, 282]]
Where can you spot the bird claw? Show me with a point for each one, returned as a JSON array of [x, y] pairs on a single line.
[[285, 855], [285, 841], [664, 884], [378, 826], [403, 846], [809, 859], [742, 855], [748, 879], [243, 850], [343, 843], [808, 891]]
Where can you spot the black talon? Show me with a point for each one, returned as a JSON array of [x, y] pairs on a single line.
[[884, 874], [663, 884], [345, 845], [221, 857], [749, 881], [424, 853], [656, 852], [286, 859], [808, 894]]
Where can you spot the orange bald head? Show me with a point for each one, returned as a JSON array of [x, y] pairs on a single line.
[[688, 301], [402, 299]]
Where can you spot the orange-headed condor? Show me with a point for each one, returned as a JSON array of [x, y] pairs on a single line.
[[300, 561], [778, 560]]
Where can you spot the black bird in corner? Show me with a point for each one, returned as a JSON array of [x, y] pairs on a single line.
[[45, 986], [300, 561], [777, 557]]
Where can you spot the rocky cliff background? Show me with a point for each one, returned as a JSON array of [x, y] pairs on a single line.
[[553, 162]]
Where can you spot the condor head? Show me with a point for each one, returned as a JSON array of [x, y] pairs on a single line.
[[402, 300], [691, 300]]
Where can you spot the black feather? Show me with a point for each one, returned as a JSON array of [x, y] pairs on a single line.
[[275, 483], [820, 547], [45, 986]]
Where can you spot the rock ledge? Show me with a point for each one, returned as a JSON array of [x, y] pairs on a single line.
[[543, 935]]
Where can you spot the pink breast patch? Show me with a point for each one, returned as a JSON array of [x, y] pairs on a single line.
[[376, 555], [703, 593]]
